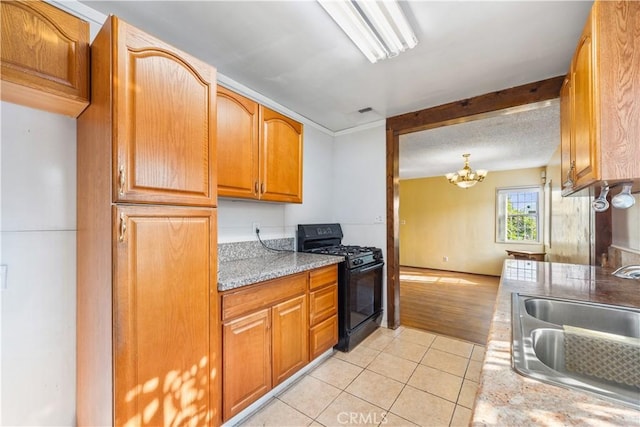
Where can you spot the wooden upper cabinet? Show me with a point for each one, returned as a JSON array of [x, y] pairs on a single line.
[[166, 316], [281, 158], [584, 141], [602, 116], [259, 151], [238, 136], [45, 57], [567, 165], [163, 117]]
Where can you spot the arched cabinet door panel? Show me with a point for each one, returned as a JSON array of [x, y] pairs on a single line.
[[238, 134], [45, 57], [281, 158], [165, 122]]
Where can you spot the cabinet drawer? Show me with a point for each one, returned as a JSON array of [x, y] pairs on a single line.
[[323, 276], [323, 336], [254, 297], [323, 303]]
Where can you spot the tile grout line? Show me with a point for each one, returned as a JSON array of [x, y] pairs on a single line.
[[405, 384]]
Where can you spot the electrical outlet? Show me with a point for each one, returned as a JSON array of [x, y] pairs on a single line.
[[255, 227], [445, 258]]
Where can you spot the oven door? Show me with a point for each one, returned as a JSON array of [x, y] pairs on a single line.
[[365, 293]]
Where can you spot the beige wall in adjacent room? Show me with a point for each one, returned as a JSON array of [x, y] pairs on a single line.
[[571, 220], [439, 220]]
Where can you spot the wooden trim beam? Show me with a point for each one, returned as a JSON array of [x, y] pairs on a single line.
[[503, 99], [476, 107]]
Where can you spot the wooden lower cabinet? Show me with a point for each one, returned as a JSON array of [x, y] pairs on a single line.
[[323, 336], [273, 329], [247, 361], [265, 338], [323, 310], [290, 345], [148, 333], [165, 316]]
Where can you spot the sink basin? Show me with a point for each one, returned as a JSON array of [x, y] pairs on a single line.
[[586, 346], [598, 317], [628, 272]]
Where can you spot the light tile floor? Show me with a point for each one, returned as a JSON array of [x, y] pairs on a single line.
[[402, 377]]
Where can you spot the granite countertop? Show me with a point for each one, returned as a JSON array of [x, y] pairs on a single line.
[[267, 265], [508, 398]]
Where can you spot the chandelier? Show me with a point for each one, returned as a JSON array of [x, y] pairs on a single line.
[[466, 177]]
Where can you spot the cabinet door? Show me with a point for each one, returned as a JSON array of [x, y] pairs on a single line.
[[238, 135], [281, 158], [165, 122], [247, 361], [45, 57], [290, 338], [585, 148], [323, 336], [166, 330], [566, 137]]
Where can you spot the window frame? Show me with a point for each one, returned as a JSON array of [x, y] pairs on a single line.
[[500, 227]]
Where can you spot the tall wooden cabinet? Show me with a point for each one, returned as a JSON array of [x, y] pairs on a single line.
[[600, 117], [148, 320], [259, 151], [45, 57]]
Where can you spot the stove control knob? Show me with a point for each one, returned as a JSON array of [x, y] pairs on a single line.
[[357, 261]]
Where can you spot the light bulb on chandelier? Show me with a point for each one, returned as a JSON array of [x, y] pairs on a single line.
[[466, 177]]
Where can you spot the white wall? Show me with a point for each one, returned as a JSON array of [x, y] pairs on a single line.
[[236, 217], [359, 189], [38, 240]]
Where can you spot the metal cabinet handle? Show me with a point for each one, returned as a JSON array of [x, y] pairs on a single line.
[[255, 187], [568, 183], [123, 227], [121, 177], [262, 188]]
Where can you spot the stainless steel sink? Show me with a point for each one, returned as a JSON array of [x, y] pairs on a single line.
[[598, 317], [539, 343], [628, 272]]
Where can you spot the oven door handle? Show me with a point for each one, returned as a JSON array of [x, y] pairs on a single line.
[[365, 269]]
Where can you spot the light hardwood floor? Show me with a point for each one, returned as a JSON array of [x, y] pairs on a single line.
[[458, 305]]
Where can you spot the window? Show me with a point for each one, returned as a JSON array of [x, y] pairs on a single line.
[[518, 218]]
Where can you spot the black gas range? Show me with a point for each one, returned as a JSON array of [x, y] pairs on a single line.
[[359, 281]]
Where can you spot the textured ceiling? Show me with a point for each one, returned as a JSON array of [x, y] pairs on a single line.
[[514, 141]]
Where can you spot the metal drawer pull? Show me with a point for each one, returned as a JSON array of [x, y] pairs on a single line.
[[123, 227]]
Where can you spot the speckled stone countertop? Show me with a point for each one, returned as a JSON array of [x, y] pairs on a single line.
[[261, 264], [506, 398]]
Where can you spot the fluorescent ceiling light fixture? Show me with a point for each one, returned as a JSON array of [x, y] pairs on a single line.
[[377, 27]]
